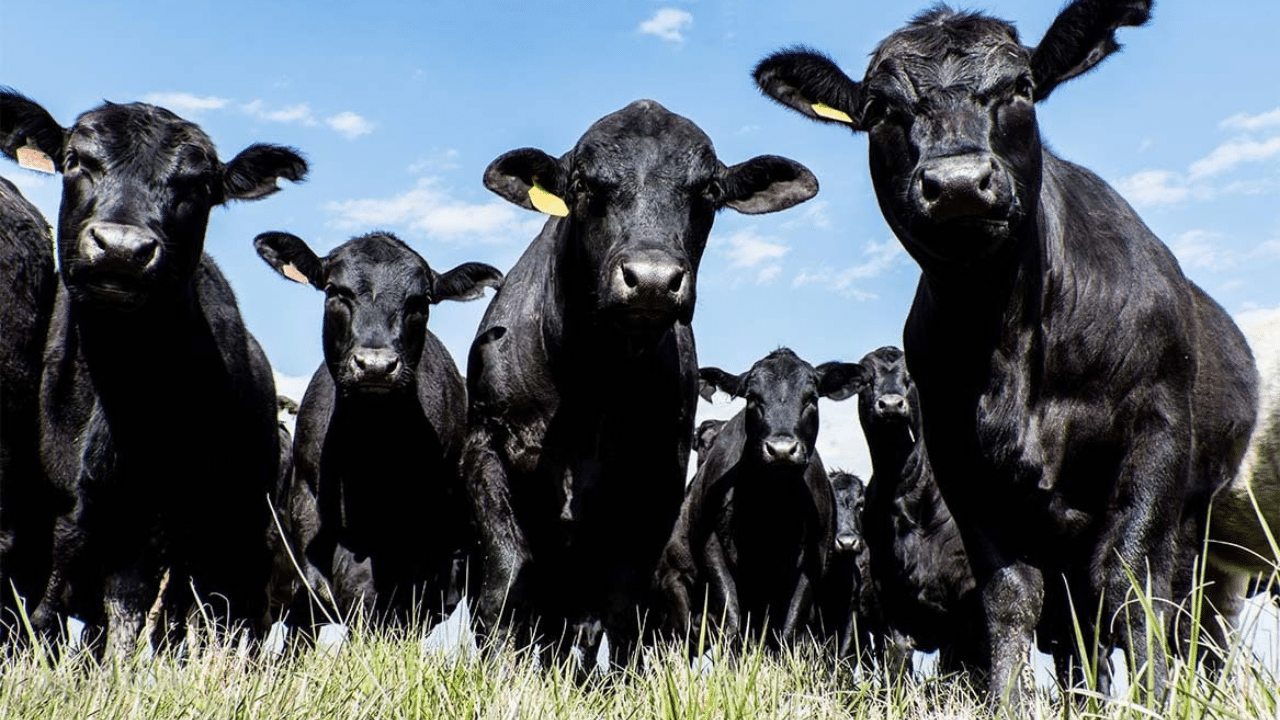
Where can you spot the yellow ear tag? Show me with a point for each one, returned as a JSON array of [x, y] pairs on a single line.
[[830, 113], [547, 203], [293, 274], [32, 158]]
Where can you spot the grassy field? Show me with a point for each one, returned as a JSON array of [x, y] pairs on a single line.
[[400, 676]]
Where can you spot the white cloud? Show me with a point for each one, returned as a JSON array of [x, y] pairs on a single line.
[[880, 257], [300, 113], [438, 160], [1153, 187], [1203, 249], [747, 250], [667, 24], [1232, 153], [185, 103], [349, 124], [432, 211], [1243, 121], [814, 214]]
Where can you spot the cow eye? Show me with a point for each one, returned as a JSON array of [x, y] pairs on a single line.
[[874, 110], [713, 192], [1023, 87], [71, 161]]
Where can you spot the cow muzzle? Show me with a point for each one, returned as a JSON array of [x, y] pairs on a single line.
[[649, 286], [114, 262], [374, 370], [969, 187], [848, 542], [892, 406], [784, 451]]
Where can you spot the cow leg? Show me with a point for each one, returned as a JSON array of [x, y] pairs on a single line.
[[505, 562], [127, 594], [1012, 599], [723, 591], [798, 610]]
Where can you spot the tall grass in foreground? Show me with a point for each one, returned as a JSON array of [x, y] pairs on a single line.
[[392, 675]]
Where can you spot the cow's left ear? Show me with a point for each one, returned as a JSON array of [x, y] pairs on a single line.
[[812, 84], [28, 131], [530, 178], [1082, 36], [711, 379], [253, 173], [839, 381], [766, 184], [465, 282]]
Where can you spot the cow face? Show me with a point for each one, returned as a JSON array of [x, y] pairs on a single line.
[[887, 399], [378, 296], [948, 106], [704, 436], [850, 496], [138, 183], [640, 191], [782, 394]]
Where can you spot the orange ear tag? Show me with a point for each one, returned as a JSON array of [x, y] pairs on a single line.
[[32, 158], [294, 274], [830, 113], [547, 203]]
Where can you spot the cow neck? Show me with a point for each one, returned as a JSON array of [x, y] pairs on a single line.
[[889, 443], [165, 334]]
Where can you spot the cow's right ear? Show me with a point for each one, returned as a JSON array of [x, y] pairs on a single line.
[[530, 178], [253, 173], [1080, 38], [465, 282], [711, 379], [290, 256], [840, 381], [28, 133], [810, 83]]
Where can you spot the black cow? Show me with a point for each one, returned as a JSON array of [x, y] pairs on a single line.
[[846, 600], [1081, 398], [924, 587], [142, 316], [381, 425], [26, 304], [757, 523], [577, 477], [703, 438]]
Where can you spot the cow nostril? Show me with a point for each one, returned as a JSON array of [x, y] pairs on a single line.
[[677, 281], [629, 277], [930, 188]]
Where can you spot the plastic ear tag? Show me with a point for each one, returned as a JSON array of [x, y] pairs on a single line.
[[546, 202], [294, 274], [830, 113], [32, 158]]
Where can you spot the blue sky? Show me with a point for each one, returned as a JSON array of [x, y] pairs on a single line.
[[400, 106]]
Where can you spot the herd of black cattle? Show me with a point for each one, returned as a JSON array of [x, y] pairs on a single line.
[[1080, 400]]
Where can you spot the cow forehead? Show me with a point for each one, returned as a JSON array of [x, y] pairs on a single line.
[[140, 134], [377, 261], [946, 49], [644, 136], [782, 373]]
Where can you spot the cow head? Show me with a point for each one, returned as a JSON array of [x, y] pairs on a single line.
[[138, 183], [704, 436], [640, 191], [850, 496], [948, 104], [888, 399], [378, 295], [782, 394]]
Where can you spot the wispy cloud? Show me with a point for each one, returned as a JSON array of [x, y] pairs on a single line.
[[667, 24], [185, 104], [880, 257], [300, 113], [438, 160], [748, 251], [1243, 121], [1203, 249], [349, 124], [1202, 179], [429, 209]]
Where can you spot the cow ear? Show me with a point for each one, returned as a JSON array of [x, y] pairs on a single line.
[[840, 381], [810, 83], [1081, 37], [465, 282], [290, 256], [28, 133], [530, 178], [711, 379], [766, 184], [253, 173]]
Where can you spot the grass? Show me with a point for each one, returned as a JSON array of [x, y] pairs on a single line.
[[394, 675]]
